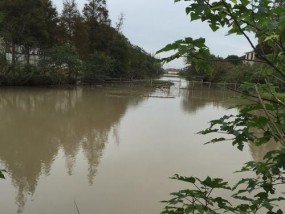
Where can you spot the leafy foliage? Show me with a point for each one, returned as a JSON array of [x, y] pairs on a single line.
[[254, 193], [62, 61], [98, 67], [194, 49], [260, 120], [192, 201], [2, 176]]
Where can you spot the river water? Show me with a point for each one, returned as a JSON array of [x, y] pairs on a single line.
[[109, 149]]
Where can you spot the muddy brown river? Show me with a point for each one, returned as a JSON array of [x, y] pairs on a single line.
[[109, 149]]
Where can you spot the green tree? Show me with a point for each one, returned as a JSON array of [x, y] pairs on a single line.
[[68, 19], [33, 26], [11, 28], [61, 64], [220, 68], [265, 115], [30, 29], [81, 40], [95, 11], [97, 20], [142, 64], [98, 67], [121, 53], [51, 22], [234, 59]]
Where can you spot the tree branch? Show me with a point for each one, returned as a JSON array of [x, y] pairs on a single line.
[[250, 42]]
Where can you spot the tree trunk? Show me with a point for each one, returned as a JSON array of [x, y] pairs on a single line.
[[13, 65], [28, 54]]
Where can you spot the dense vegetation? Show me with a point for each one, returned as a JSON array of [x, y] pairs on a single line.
[[260, 121], [39, 46], [231, 69]]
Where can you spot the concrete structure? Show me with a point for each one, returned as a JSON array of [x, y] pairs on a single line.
[[250, 57], [21, 56], [22, 59]]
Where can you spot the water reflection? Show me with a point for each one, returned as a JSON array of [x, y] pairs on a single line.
[[37, 123], [46, 131], [258, 152], [194, 100]]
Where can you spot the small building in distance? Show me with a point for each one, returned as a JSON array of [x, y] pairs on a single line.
[[21, 55], [249, 57], [172, 71]]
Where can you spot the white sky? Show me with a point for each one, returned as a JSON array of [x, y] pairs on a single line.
[[152, 24]]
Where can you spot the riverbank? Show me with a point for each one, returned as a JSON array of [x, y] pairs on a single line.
[[156, 83]]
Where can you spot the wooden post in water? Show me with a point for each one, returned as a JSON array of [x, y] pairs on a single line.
[[179, 87]]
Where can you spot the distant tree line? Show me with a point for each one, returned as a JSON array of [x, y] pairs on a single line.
[[232, 69], [68, 47]]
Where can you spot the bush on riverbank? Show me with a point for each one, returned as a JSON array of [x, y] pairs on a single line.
[[225, 71]]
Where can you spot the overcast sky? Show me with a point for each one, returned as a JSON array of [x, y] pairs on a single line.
[[151, 24]]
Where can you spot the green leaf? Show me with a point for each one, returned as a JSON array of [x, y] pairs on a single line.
[[262, 195], [2, 176], [182, 178]]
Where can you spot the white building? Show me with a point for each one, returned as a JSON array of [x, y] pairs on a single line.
[[250, 57], [21, 57]]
